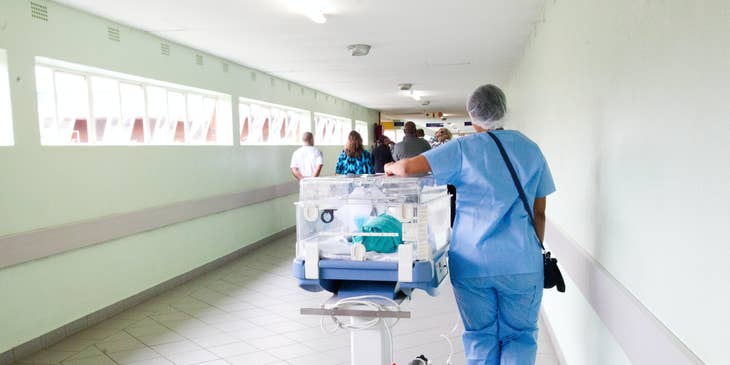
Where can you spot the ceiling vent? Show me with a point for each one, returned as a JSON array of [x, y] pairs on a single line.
[[199, 60], [359, 49], [39, 11], [113, 34], [425, 102], [225, 67], [164, 49], [404, 87]]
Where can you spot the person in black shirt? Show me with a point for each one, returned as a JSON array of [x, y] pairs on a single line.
[[381, 154]]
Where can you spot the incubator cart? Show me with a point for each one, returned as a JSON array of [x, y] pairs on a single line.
[[333, 217]]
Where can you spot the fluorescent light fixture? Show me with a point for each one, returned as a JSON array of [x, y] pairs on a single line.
[[317, 16], [315, 10], [415, 95]]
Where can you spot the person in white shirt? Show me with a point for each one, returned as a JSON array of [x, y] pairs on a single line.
[[306, 160]]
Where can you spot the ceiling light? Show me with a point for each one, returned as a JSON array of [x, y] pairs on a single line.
[[315, 10], [415, 95], [359, 49], [404, 87], [317, 16]]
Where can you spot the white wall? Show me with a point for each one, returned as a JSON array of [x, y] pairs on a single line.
[[630, 102]]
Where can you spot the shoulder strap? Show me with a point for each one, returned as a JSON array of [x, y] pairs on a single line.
[[516, 180]]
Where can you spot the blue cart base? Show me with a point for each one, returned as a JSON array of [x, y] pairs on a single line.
[[346, 278]]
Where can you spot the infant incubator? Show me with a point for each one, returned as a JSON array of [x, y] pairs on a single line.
[[371, 235]]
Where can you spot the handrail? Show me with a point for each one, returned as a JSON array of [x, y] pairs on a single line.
[[31, 245]]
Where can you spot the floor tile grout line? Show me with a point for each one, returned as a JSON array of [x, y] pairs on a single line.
[[183, 336], [258, 349], [146, 345]]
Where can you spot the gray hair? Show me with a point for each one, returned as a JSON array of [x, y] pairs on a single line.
[[487, 106]]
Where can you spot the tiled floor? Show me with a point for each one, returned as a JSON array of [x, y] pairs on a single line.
[[247, 312]]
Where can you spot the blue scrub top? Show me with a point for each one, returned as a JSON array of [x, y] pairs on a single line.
[[492, 233]]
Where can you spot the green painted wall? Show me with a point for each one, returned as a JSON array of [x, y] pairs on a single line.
[[43, 186]]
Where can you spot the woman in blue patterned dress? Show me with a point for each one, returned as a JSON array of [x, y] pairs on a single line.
[[354, 159]]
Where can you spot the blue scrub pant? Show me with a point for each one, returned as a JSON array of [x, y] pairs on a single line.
[[500, 318]]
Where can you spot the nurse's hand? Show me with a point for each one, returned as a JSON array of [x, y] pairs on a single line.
[[389, 169], [415, 166]]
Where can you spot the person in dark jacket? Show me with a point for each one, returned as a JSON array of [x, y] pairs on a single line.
[[381, 154]]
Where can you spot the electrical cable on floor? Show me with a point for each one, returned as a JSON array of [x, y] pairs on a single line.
[[364, 301], [448, 340]]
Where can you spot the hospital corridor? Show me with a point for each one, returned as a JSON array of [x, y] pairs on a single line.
[[352, 182]]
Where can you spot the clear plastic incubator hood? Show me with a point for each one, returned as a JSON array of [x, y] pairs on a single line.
[[371, 235]]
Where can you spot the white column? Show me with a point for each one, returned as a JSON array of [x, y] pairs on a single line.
[[370, 346]]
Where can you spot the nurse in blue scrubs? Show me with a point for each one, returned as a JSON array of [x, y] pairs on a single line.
[[495, 259]]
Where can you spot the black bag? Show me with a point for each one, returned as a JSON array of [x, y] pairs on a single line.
[[553, 277]]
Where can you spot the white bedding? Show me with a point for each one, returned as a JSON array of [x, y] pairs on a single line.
[[337, 248]]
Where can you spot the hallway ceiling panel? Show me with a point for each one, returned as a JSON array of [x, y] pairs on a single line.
[[445, 48]]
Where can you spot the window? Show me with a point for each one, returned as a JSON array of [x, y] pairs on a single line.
[[395, 135], [105, 107], [331, 130], [363, 128], [6, 114], [269, 124], [82, 105]]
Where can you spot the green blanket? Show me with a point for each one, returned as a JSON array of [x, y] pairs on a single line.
[[381, 224]]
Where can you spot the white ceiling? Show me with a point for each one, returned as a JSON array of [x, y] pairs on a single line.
[[445, 48]]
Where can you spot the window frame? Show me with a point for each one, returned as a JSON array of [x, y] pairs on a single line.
[[222, 106], [366, 137], [343, 121], [272, 110]]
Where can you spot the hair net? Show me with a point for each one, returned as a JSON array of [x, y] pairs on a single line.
[[487, 106]]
